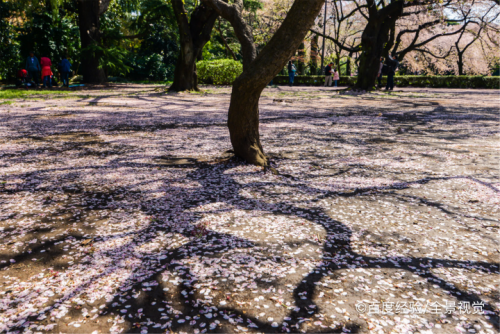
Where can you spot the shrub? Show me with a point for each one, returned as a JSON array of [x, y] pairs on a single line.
[[449, 81], [149, 67], [218, 72]]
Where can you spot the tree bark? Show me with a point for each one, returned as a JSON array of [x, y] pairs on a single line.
[[460, 63], [193, 37], [258, 71], [373, 42], [89, 12]]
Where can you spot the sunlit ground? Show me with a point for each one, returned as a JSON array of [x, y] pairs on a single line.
[[122, 211]]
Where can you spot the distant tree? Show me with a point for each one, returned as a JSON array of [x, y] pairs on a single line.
[[301, 59], [89, 23], [314, 54], [482, 22]]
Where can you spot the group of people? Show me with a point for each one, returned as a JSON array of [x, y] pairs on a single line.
[[388, 67], [331, 74], [43, 69]]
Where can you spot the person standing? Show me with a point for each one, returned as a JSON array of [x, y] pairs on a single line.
[[291, 72], [328, 75], [33, 67], [46, 71], [392, 64], [379, 75], [336, 77], [65, 67]]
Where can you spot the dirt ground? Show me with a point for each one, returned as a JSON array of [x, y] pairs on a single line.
[[121, 210]]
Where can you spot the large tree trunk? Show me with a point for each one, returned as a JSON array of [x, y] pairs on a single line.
[[89, 12], [193, 37], [374, 41], [243, 118]]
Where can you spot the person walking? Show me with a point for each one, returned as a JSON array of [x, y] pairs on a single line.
[[46, 71], [33, 67], [328, 75], [392, 64], [336, 77], [65, 67], [379, 75], [291, 72]]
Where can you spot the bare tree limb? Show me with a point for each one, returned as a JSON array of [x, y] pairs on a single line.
[[225, 42], [341, 46]]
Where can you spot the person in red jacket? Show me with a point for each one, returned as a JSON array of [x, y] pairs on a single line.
[[22, 75], [46, 71]]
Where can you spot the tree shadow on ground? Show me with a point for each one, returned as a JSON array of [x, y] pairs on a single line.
[[338, 236], [217, 186]]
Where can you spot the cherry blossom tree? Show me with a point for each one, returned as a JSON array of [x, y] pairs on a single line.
[[259, 70]]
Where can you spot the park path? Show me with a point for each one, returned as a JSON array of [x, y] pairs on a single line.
[[121, 210]]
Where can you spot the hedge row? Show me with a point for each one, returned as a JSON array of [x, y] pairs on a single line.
[[449, 81], [224, 71], [218, 72]]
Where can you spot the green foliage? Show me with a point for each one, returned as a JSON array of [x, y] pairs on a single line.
[[252, 5], [112, 59], [48, 37], [218, 72], [404, 81], [448, 81], [215, 47], [9, 47], [156, 56], [149, 67]]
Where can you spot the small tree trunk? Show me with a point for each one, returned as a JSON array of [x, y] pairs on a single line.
[[460, 63], [348, 65], [302, 59], [337, 61], [89, 24], [193, 37]]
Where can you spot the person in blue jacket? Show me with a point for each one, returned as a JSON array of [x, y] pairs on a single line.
[[291, 72], [33, 67], [65, 67]]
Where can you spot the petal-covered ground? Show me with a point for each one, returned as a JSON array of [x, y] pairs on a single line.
[[121, 210]]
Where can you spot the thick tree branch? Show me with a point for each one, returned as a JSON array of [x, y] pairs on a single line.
[[233, 14]]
